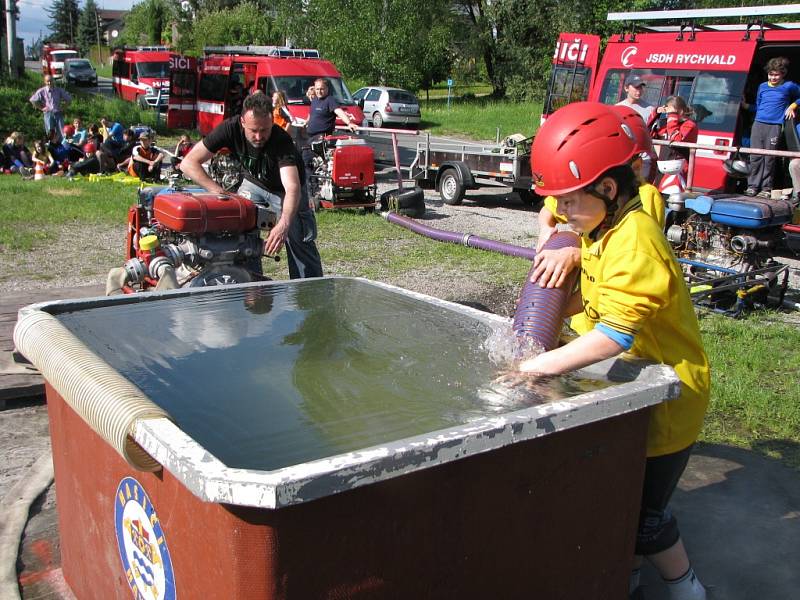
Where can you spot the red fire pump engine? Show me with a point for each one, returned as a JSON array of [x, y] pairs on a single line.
[[343, 174], [190, 238]]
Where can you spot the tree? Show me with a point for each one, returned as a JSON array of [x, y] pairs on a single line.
[[63, 21], [148, 22], [395, 42], [88, 27], [242, 25]]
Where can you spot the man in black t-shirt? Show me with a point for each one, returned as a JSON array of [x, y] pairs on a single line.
[[273, 175]]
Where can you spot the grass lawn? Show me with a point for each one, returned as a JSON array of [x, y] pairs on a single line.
[[755, 361], [481, 118]]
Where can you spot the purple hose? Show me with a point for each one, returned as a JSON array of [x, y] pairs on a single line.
[[464, 239], [540, 311]]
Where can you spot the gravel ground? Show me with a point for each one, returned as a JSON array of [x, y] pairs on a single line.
[[495, 213]]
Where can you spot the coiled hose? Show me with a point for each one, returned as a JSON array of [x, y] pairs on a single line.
[[109, 403], [540, 311]]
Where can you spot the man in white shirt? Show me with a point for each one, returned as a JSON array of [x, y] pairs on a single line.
[[634, 86]]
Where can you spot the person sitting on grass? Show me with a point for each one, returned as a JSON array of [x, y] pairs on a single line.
[[93, 135], [115, 153], [42, 157], [634, 300], [88, 164], [183, 147], [146, 160], [17, 155], [79, 136]]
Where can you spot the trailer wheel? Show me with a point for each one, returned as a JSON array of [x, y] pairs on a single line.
[[450, 187]]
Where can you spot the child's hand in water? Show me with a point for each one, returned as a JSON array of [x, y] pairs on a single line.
[[516, 378]]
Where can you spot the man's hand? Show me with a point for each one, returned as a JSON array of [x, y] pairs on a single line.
[[276, 238], [551, 267], [789, 114]]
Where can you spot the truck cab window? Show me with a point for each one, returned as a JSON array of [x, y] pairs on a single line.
[[714, 96]]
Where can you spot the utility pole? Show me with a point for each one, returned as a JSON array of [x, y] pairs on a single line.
[[97, 29], [11, 37]]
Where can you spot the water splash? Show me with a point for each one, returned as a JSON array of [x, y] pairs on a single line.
[[506, 350]]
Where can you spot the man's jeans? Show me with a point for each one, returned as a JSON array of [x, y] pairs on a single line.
[[54, 120], [301, 250]]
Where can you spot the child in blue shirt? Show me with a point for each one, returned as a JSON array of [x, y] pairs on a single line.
[[775, 100]]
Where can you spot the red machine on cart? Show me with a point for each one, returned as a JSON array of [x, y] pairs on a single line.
[[190, 238], [344, 173]]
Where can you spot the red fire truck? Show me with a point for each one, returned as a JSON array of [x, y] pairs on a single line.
[[53, 57], [229, 73], [142, 74], [713, 66]]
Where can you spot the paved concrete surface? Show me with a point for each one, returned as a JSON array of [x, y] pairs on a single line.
[[739, 514]]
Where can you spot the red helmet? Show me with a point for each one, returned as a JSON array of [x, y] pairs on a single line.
[[69, 130], [644, 142], [576, 145], [89, 148]]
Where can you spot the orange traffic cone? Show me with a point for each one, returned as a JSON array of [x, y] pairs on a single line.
[[38, 171]]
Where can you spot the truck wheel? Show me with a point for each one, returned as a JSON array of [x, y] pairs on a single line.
[[530, 199], [377, 120], [140, 100], [450, 187]]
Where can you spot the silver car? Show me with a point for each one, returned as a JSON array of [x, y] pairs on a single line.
[[388, 106]]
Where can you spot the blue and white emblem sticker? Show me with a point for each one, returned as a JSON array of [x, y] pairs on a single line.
[[141, 544]]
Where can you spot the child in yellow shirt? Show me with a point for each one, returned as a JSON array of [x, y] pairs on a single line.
[[633, 299]]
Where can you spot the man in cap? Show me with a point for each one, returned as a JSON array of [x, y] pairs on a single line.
[[634, 86]]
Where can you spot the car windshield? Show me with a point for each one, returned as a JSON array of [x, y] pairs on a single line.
[[155, 70], [402, 96], [64, 54], [295, 89], [79, 64]]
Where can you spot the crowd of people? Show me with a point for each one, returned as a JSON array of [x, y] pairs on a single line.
[[74, 149], [103, 148]]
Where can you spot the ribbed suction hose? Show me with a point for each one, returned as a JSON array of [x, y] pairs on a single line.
[[110, 404], [540, 311]]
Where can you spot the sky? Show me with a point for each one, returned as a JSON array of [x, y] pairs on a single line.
[[33, 19]]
